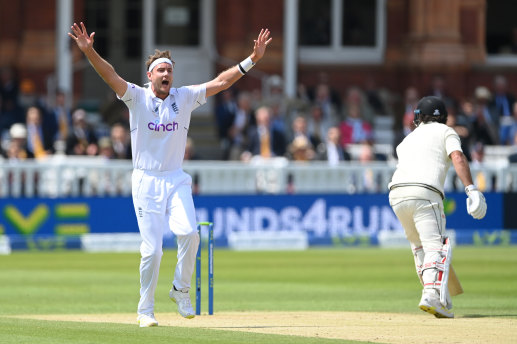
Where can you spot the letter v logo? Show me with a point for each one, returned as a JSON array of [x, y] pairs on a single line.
[[26, 225]]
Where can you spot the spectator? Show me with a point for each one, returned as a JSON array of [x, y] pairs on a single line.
[[503, 103], [59, 117], [82, 139], [263, 138], [10, 110], [331, 150], [106, 148], [463, 127], [405, 125], [370, 183], [317, 125], [478, 174], [512, 158], [225, 113], [329, 105], [354, 129], [17, 146], [374, 98], [486, 118], [120, 141], [438, 89], [240, 125], [39, 141], [300, 150], [355, 102], [299, 128], [513, 126]]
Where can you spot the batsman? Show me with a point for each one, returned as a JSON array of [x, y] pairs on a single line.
[[416, 196]]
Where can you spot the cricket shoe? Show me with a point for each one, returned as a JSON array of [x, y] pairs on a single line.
[[146, 320], [431, 304], [183, 301]]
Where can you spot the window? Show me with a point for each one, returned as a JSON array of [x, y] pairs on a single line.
[[501, 32], [133, 30], [177, 22], [97, 13], [341, 31]]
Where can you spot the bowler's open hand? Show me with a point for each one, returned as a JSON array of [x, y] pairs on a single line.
[[261, 43], [80, 36]]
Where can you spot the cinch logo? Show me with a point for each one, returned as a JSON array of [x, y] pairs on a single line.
[[157, 126]]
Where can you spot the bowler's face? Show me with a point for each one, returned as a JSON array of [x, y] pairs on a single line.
[[161, 79]]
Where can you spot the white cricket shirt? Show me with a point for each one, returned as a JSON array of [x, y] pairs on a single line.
[[159, 127], [423, 155]]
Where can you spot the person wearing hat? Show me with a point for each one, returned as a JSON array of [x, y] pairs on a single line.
[[17, 146], [416, 196], [487, 117]]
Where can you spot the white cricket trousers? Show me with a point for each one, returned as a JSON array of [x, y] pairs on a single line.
[[420, 211], [163, 201]]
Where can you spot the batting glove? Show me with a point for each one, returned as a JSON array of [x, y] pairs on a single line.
[[476, 203]]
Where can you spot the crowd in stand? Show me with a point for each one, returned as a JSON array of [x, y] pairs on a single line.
[[319, 124]]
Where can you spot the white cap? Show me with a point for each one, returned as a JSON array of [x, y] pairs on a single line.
[[18, 131]]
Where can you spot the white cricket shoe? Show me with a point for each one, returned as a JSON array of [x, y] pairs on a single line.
[[146, 320], [183, 301], [431, 304]]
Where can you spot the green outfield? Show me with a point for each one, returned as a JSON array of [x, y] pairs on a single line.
[[34, 285]]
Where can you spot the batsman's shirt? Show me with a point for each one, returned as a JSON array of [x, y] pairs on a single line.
[[159, 127], [423, 155]]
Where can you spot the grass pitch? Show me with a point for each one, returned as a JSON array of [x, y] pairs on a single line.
[[348, 279]]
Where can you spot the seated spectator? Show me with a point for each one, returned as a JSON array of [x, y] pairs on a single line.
[[17, 146], [512, 137], [370, 182], [503, 102], [512, 158], [355, 102], [10, 109], [438, 89], [120, 141], [317, 125], [463, 127], [82, 139], [404, 125], [327, 99], [106, 148], [59, 117], [486, 118], [299, 128], [242, 121], [331, 150], [225, 113], [300, 150], [264, 139], [354, 129], [39, 142], [479, 176]]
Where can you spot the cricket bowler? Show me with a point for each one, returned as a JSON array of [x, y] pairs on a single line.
[[159, 117]]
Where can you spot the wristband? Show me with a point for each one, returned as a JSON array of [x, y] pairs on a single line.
[[469, 188], [245, 65]]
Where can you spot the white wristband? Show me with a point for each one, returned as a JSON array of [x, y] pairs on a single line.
[[245, 65], [470, 188]]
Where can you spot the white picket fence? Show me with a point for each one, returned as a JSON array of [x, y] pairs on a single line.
[[89, 177]]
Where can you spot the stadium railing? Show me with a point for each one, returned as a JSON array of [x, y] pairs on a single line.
[[61, 176]]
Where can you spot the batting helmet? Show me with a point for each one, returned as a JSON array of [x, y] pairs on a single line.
[[430, 109]]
